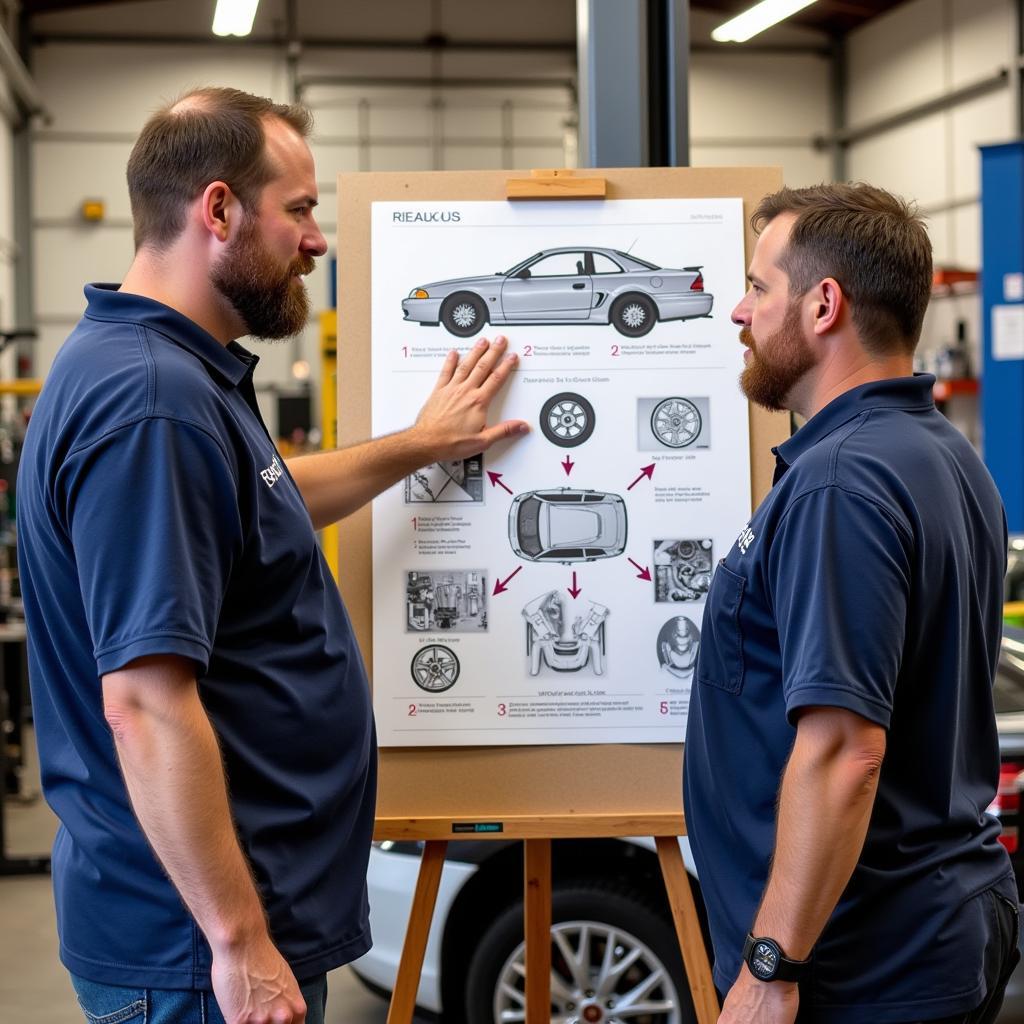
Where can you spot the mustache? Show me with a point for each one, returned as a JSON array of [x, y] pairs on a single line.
[[303, 265], [747, 338]]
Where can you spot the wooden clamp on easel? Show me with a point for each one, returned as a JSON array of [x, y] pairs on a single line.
[[536, 832]]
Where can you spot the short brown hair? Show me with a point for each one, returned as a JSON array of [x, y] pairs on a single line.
[[210, 134], [872, 242]]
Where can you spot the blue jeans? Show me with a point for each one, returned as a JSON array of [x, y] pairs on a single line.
[[111, 1004]]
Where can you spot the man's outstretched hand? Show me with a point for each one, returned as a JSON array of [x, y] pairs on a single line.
[[453, 422]]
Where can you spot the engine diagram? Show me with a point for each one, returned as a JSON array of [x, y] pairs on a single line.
[[562, 642]]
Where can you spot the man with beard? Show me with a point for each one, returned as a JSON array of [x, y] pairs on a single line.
[[202, 710], [841, 747]]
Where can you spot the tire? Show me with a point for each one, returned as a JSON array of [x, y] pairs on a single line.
[[676, 422], [634, 315], [463, 314], [434, 668], [495, 980], [567, 419]]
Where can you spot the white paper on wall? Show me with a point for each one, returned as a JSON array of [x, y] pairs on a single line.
[[1008, 332]]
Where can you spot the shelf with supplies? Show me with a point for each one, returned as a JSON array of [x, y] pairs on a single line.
[[948, 281], [946, 389]]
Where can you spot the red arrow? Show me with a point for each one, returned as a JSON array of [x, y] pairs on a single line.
[[567, 465], [574, 590], [497, 481], [500, 586], [644, 573], [645, 471]]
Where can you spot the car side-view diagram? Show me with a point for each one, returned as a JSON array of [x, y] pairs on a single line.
[[566, 525], [570, 285]]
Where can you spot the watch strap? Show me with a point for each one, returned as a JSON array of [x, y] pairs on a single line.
[[785, 969]]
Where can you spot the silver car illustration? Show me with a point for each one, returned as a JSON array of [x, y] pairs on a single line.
[[566, 525], [571, 285]]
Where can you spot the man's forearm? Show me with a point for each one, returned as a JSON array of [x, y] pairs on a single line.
[[172, 769], [335, 484], [825, 802]]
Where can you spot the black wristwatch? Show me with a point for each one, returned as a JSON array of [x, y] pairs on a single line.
[[766, 961]]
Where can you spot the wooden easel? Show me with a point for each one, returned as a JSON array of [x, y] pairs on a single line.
[[536, 834], [613, 790]]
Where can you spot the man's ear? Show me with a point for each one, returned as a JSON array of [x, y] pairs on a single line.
[[828, 301], [219, 209]]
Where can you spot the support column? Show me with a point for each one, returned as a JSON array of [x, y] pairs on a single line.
[[612, 43]]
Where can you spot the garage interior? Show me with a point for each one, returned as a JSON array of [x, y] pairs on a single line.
[[900, 94]]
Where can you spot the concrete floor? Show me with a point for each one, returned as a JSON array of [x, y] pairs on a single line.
[[34, 987]]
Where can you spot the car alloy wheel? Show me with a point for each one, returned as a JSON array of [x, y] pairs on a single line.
[[614, 960], [463, 315], [676, 422], [634, 315], [435, 668], [567, 419]]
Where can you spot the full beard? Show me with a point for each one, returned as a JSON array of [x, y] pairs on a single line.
[[272, 303], [776, 363]]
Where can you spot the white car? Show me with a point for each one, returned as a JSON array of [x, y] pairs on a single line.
[[614, 956]]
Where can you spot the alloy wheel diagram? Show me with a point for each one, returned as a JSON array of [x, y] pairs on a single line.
[[567, 419], [435, 668], [676, 422]]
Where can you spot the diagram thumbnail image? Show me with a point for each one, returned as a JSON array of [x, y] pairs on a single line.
[[673, 422], [567, 285], [566, 525], [565, 635], [455, 601], [678, 646], [435, 668], [567, 419], [682, 569], [458, 480]]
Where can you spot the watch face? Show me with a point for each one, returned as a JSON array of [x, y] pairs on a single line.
[[764, 959]]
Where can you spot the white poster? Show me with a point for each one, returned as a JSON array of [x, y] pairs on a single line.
[[551, 590]]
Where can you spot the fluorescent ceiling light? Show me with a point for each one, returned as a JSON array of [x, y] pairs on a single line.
[[234, 17], [757, 19]]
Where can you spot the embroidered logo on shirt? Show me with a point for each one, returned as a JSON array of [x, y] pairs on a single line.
[[273, 472], [745, 539]]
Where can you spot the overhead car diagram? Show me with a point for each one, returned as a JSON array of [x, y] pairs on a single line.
[[552, 640], [567, 419], [570, 285], [566, 525], [435, 668]]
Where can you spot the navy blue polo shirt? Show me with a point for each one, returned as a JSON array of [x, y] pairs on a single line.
[[870, 579], [156, 517]]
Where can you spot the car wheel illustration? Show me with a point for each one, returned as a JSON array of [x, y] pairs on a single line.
[[634, 315], [567, 419], [676, 422], [463, 314], [610, 949], [435, 668]]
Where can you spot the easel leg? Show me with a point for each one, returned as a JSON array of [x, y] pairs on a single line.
[[691, 941], [403, 999], [537, 901]]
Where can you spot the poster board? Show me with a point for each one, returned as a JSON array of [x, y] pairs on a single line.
[[497, 783]]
